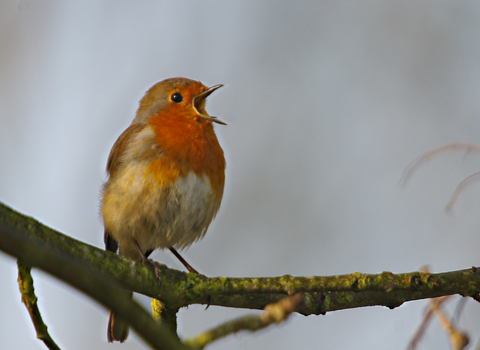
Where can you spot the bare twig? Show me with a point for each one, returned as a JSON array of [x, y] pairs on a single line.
[[424, 323], [274, 313], [427, 156], [459, 310], [458, 339], [459, 189], [25, 284]]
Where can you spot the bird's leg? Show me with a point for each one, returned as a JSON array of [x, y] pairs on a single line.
[[145, 260], [183, 261]]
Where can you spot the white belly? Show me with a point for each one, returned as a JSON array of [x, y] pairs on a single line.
[[136, 207]]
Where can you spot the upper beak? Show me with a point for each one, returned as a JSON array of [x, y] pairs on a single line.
[[200, 99]]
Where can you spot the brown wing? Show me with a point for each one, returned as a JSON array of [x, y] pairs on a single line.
[[115, 156], [113, 163]]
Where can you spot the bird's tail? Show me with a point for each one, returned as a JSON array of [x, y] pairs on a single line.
[[117, 330]]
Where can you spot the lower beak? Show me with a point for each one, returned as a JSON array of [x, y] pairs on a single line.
[[199, 100]]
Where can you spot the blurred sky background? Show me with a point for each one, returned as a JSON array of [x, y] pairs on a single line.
[[326, 103]]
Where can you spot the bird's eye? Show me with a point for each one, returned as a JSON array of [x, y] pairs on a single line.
[[177, 97]]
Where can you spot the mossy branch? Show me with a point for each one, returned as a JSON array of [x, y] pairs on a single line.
[[179, 289], [25, 284], [39, 246]]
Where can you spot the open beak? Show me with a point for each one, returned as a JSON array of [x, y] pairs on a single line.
[[199, 104]]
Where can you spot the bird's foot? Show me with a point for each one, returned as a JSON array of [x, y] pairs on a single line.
[[156, 265]]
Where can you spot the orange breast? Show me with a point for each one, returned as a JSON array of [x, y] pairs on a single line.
[[186, 145]]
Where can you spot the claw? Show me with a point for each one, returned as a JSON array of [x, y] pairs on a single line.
[[156, 265]]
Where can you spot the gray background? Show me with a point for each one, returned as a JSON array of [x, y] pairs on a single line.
[[326, 103]]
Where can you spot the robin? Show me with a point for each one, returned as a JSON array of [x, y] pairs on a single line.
[[166, 177]]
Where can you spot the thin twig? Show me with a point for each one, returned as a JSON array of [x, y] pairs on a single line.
[[423, 324], [274, 313], [25, 284], [459, 310], [458, 339], [430, 154], [459, 189]]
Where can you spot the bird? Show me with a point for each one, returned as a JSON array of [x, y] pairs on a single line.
[[166, 176]]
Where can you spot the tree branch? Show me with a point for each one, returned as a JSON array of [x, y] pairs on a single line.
[[179, 289], [58, 254], [25, 284]]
